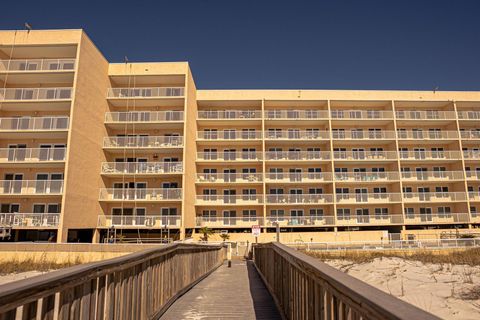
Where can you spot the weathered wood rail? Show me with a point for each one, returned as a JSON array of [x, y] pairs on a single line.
[[140, 285], [306, 288]]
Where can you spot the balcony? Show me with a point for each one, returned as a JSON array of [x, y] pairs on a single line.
[[427, 135], [297, 135], [140, 194], [432, 218], [474, 196], [363, 135], [369, 220], [470, 134], [143, 142], [357, 155], [30, 220], [229, 136], [214, 199], [356, 177], [472, 175], [229, 115], [141, 168], [139, 222], [346, 198], [305, 115], [434, 196], [37, 65], [43, 157], [425, 115], [299, 221], [222, 222], [35, 94], [432, 175], [144, 119], [468, 115], [299, 198], [147, 97], [298, 177], [297, 156], [471, 154], [227, 178], [32, 127], [430, 155], [237, 156], [31, 187], [361, 115]]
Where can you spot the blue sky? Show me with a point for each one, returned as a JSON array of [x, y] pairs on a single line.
[[280, 44]]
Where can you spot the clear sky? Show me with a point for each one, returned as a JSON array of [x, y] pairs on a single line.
[[357, 44]]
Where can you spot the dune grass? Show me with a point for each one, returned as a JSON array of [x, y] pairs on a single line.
[[41, 265]]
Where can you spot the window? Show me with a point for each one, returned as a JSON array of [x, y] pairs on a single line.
[[249, 215], [444, 212], [409, 213], [343, 213], [316, 214], [277, 214], [381, 213]]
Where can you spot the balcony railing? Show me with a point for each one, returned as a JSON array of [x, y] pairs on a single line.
[[213, 222], [297, 135], [151, 92], [298, 177], [35, 220], [368, 197], [299, 198], [218, 199], [143, 142], [366, 176], [425, 115], [229, 114], [471, 154], [427, 135], [473, 175], [430, 155], [363, 135], [21, 155], [31, 187], [153, 168], [470, 134], [432, 175], [297, 155], [468, 115], [365, 155], [147, 221], [34, 123], [229, 177], [474, 195], [283, 221], [229, 135], [434, 196], [143, 116], [361, 114], [32, 94], [136, 194], [372, 219], [37, 65], [230, 156], [278, 114], [428, 218]]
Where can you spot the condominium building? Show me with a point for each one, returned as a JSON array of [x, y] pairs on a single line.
[[91, 150]]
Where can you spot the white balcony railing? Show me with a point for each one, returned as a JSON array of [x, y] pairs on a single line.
[[425, 115], [297, 135], [34, 123], [297, 155], [468, 115], [284, 221], [217, 199], [372, 219], [299, 198], [147, 221], [229, 135], [298, 177], [472, 175], [143, 116], [229, 177], [366, 176], [279, 114], [229, 114], [474, 195], [365, 155], [427, 135], [471, 154], [21, 155], [136, 194], [33, 94], [30, 220], [363, 135], [213, 222], [361, 114], [230, 156], [150, 92], [153, 168], [432, 175], [143, 142], [31, 187], [434, 196], [428, 218], [368, 197], [470, 134], [430, 155], [31, 65]]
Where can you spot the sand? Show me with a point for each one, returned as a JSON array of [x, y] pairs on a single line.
[[5, 278], [448, 291]]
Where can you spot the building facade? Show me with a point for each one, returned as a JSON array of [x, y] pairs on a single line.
[[91, 150]]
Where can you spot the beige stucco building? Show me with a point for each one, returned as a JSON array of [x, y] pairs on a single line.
[[91, 149]]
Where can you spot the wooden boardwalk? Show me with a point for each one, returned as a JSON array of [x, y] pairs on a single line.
[[228, 293]]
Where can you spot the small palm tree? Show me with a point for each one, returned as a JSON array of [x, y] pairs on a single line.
[[224, 236], [206, 231]]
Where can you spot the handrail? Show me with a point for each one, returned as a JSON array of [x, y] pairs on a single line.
[[304, 287], [145, 92], [61, 93], [143, 116], [147, 282], [30, 65], [34, 123]]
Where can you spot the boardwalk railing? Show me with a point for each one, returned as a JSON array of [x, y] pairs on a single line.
[[141, 285], [306, 288]]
